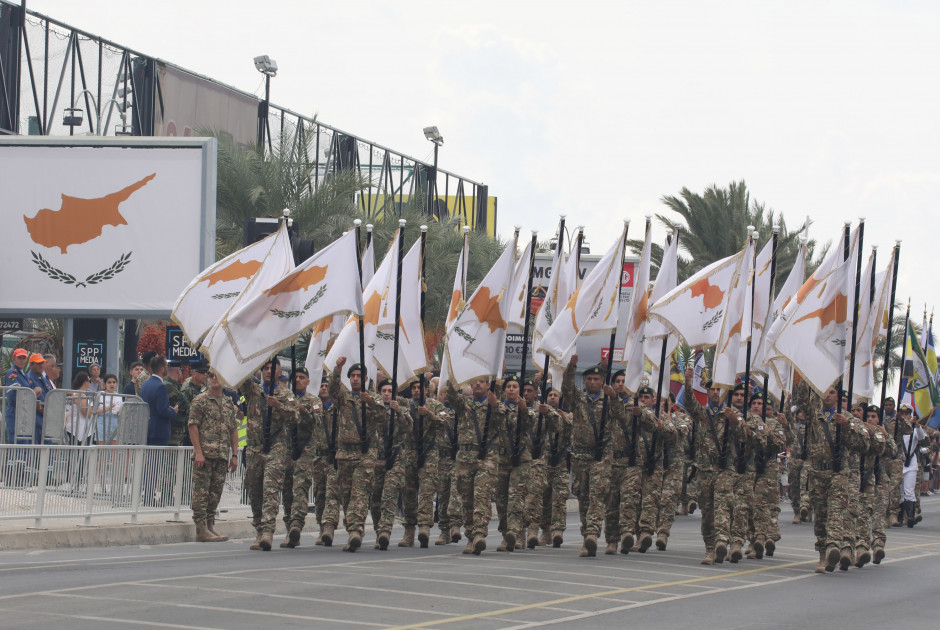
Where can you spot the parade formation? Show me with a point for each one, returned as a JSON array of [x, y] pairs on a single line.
[[791, 376]]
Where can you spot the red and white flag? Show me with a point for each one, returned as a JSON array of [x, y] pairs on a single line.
[[211, 294]]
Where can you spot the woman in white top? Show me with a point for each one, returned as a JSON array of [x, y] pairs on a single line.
[[109, 408], [79, 426]]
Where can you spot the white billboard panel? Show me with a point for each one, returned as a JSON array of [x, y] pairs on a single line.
[[104, 226]]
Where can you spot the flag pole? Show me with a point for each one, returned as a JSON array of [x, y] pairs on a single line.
[[662, 353], [419, 418], [543, 397], [391, 418], [770, 307], [599, 447], [887, 361], [525, 346], [901, 383], [747, 352], [858, 289], [610, 353]]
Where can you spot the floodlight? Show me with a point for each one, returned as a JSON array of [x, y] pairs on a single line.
[[266, 65], [432, 134], [72, 117]]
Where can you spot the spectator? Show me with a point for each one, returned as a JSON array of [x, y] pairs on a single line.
[[94, 375], [41, 385], [52, 369], [142, 378], [15, 376], [154, 393], [136, 368], [109, 408], [79, 427]]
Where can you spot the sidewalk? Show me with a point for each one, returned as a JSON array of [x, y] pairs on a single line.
[[151, 529]]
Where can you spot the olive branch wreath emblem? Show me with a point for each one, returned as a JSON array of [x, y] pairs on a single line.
[[96, 278]]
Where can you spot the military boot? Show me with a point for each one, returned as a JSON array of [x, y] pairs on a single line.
[[769, 548], [408, 540], [683, 510], [443, 539], [479, 544], [204, 535], [646, 541], [846, 558], [294, 536], [469, 548], [286, 544], [804, 513], [736, 554], [709, 557], [910, 514], [532, 540], [503, 546], [721, 550], [558, 537], [749, 553], [256, 546], [510, 539], [796, 520], [545, 540], [455, 534], [210, 525], [626, 543], [879, 554], [382, 541], [917, 515], [326, 534], [821, 566], [319, 537], [267, 539], [832, 558], [518, 542], [760, 543], [893, 519], [354, 542], [692, 507], [590, 543], [661, 541], [611, 548], [424, 535], [583, 553], [862, 557]]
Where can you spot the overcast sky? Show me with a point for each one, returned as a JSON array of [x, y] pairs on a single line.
[[598, 109]]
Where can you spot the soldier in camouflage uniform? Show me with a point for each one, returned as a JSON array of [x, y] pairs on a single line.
[[897, 428], [796, 471], [742, 448], [535, 491], [306, 440], [429, 421], [675, 464], [769, 438], [215, 448], [557, 490], [253, 413], [325, 450], [832, 437], [446, 459], [870, 534], [282, 414], [349, 484], [477, 462], [196, 383], [146, 373], [716, 431], [590, 465], [882, 483], [634, 448], [396, 437]]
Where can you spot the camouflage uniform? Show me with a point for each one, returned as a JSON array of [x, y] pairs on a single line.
[[634, 448], [179, 434], [188, 393], [557, 491], [446, 457], [256, 407], [308, 445], [349, 483], [743, 475], [476, 464], [428, 431], [870, 524], [714, 440], [770, 438], [278, 460], [796, 471], [882, 482], [214, 417], [588, 466], [401, 472], [830, 481], [675, 465]]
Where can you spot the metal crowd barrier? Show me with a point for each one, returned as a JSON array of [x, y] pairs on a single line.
[[59, 481], [76, 417]]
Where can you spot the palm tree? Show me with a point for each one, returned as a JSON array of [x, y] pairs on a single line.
[[714, 225]]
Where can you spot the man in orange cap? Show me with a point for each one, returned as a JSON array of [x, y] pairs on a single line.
[[41, 385], [15, 376]]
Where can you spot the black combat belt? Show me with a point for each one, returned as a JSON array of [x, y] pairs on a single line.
[[348, 447]]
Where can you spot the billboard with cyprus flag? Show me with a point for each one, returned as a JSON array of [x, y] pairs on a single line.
[[104, 226]]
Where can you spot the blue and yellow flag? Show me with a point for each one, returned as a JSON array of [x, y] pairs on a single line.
[[919, 384]]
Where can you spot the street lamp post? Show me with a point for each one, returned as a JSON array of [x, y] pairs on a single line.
[[432, 134], [268, 67]]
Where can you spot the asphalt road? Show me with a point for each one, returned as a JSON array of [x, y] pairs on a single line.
[[226, 586]]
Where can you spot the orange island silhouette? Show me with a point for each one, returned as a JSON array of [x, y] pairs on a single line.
[[80, 220]]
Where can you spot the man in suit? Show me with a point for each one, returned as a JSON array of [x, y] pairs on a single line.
[[154, 393]]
